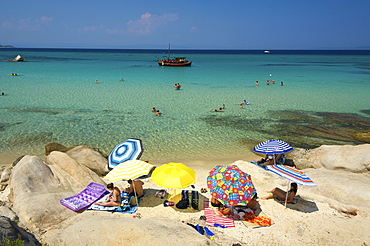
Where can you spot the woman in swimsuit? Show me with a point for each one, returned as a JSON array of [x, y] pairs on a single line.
[[114, 198], [282, 195]]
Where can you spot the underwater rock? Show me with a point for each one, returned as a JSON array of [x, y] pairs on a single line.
[[49, 147], [362, 136]]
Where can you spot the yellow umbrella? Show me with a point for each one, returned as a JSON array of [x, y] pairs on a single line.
[[131, 169], [174, 175]]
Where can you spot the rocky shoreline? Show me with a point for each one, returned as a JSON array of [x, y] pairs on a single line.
[[33, 186]]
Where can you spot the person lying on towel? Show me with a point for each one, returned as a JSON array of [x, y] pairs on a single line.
[[114, 198]]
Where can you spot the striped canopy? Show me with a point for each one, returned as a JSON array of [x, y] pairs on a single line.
[[230, 185], [272, 147], [131, 149], [291, 173], [131, 169]]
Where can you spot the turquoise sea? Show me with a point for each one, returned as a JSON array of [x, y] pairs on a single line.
[[324, 100]]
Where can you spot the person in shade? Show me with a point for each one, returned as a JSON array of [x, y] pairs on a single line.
[[135, 188], [281, 195], [114, 198]]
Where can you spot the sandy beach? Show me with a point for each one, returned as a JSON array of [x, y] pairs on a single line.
[[329, 214]]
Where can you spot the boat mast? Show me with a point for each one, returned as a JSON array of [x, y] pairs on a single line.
[[168, 51]]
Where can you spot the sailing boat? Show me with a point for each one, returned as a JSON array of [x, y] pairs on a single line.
[[177, 61]]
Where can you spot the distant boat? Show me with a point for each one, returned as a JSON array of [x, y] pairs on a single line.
[[18, 58], [177, 61], [266, 51]]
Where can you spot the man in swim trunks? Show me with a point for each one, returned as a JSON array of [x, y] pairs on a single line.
[[136, 186]]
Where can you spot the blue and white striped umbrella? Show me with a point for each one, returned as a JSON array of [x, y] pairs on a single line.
[[131, 149], [272, 147]]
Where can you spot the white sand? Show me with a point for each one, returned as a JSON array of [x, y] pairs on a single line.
[[317, 210]]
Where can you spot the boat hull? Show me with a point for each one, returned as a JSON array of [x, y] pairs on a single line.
[[174, 64]]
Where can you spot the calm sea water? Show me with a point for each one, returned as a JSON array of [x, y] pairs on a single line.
[[55, 98]]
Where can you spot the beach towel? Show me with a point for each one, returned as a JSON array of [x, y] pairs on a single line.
[[214, 220], [249, 218], [257, 221], [85, 198], [125, 207]]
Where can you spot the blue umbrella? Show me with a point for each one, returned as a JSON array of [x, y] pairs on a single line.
[[273, 147], [131, 149]]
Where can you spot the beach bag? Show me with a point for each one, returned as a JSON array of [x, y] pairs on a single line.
[[184, 202]]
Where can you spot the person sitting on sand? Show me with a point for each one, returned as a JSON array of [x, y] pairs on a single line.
[[114, 198], [135, 188], [281, 195], [271, 160]]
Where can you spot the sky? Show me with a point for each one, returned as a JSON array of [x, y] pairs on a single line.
[[190, 24]]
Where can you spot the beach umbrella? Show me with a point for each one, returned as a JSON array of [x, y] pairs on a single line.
[[174, 175], [292, 174], [131, 149], [274, 146], [230, 185], [131, 169]]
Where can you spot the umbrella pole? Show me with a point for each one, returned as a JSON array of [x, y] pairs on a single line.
[[137, 200], [286, 195]]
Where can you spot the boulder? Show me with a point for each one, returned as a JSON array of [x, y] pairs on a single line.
[[106, 229], [91, 158], [7, 212], [73, 173], [36, 189], [334, 157], [11, 233], [4, 178]]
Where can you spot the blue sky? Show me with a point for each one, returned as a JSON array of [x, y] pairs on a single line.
[[190, 24]]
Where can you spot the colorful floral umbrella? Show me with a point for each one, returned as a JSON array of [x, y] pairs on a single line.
[[230, 185]]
